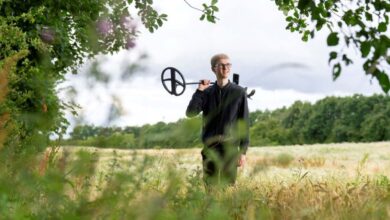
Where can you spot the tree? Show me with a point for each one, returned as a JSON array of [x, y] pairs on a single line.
[[362, 25], [295, 121], [41, 41], [325, 113], [83, 132], [51, 38], [376, 124]]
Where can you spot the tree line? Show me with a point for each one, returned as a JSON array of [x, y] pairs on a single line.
[[356, 118]]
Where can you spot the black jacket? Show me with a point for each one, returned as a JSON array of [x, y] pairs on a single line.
[[223, 110]]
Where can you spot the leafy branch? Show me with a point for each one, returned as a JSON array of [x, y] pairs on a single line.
[[208, 11], [360, 25]]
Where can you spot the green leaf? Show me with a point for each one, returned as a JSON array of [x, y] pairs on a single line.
[[210, 18], [366, 66], [365, 48], [332, 56], [305, 38], [296, 14], [333, 39], [382, 27], [202, 17], [214, 2], [368, 16], [320, 24], [322, 10], [349, 18], [159, 22], [303, 4], [306, 35], [336, 71], [328, 4], [383, 79], [346, 60]]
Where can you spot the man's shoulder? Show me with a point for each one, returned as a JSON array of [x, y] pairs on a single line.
[[209, 89], [237, 88]]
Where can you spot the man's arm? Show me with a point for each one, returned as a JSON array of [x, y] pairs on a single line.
[[196, 104], [243, 117]]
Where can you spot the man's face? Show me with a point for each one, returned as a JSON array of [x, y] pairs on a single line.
[[222, 68]]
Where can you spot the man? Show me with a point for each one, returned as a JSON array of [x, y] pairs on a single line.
[[225, 132]]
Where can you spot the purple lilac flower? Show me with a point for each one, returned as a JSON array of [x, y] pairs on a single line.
[[47, 35], [130, 43], [104, 27]]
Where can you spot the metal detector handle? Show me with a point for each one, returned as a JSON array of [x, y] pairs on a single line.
[[194, 83]]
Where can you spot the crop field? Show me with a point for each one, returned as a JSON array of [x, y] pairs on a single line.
[[327, 181]]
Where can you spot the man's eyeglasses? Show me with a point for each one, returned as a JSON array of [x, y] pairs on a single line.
[[225, 65]]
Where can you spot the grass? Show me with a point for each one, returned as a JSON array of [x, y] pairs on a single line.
[[335, 181]]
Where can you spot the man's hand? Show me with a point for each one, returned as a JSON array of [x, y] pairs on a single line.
[[203, 84], [242, 160]]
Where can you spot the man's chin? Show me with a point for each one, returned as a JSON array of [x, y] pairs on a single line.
[[225, 75]]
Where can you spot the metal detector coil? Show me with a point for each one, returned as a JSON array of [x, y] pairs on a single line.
[[178, 84]]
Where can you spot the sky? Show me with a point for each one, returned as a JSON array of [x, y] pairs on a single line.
[[276, 63]]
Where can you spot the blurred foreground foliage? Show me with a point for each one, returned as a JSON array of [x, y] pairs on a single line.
[[330, 120], [106, 184], [41, 41]]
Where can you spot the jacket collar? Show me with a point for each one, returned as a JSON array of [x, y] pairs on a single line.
[[223, 88]]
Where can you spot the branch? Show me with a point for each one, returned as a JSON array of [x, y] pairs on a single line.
[[193, 6], [198, 9]]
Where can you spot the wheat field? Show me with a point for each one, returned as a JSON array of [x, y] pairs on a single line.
[[321, 160], [324, 181]]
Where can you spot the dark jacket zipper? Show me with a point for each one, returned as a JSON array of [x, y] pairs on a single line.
[[220, 112]]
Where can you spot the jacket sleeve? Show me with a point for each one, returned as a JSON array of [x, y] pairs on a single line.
[[196, 104], [243, 116]]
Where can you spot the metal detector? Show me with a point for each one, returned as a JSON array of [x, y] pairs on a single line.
[[178, 83]]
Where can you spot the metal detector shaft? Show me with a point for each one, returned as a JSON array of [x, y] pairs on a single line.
[[194, 83], [236, 79]]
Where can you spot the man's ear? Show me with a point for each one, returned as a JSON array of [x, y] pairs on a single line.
[[212, 69]]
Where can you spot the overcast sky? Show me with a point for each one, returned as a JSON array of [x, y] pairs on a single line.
[[270, 59]]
